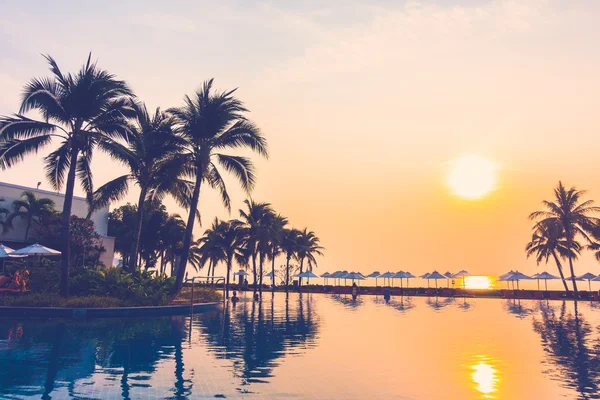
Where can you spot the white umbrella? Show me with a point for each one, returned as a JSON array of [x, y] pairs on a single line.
[[387, 275], [449, 276], [545, 276], [241, 272], [399, 274], [407, 275], [375, 275], [516, 276], [326, 275], [424, 276], [272, 276], [354, 276], [7, 252], [587, 277], [308, 275], [435, 275], [36, 250], [461, 274]]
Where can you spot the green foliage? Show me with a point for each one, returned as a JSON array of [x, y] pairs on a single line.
[[54, 300], [85, 250]]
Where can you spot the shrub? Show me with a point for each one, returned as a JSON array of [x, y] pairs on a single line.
[[54, 300]]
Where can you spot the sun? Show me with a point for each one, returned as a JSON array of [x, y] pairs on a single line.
[[472, 177]]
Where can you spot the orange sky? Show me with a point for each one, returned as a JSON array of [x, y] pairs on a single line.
[[364, 105]]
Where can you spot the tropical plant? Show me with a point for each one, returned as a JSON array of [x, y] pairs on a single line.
[[213, 122], [231, 242], [31, 209], [308, 248], [289, 246], [151, 158], [572, 215], [275, 228], [208, 249], [170, 236], [548, 240], [79, 110], [254, 231]]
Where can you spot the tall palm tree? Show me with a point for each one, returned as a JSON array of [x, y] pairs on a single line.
[[170, 240], [212, 122], [289, 245], [275, 228], [255, 219], [548, 240], [573, 216], [31, 208], [79, 110], [308, 248], [151, 157]]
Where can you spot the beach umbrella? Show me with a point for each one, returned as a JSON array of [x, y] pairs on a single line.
[[587, 277], [326, 275], [375, 275], [241, 273], [354, 276], [461, 274], [449, 276], [399, 274], [435, 275], [7, 252], [407, 276], [308, 275], [36, 250], [545, 276], [516, 276], [272, 276], [386, 275], [424, 276]]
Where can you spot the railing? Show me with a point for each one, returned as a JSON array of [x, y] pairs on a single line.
[[216, 280]]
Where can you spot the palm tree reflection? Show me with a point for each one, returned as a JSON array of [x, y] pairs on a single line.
[[572, 348], [256, 335]]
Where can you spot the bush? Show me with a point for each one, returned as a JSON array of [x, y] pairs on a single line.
[[54, 300]]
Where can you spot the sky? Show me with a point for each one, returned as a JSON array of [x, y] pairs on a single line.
[[365, 106]]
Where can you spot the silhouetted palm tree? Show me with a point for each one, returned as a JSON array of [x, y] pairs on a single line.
[[79, 110], [275, 227], [151, 157], [4, 213], [289, 245], [31, 208], [254, 231], [231, 242], [213, 122], [208, 248], [572, 215], [171, 240], [548, 240], [308, 248]]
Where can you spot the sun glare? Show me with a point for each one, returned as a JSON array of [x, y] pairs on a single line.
[[478, 282], [472, 177], [485, 378]]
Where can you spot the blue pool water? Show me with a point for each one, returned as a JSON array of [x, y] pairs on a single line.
[[314, 347]]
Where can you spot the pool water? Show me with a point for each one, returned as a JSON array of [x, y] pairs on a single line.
[[313, 346]]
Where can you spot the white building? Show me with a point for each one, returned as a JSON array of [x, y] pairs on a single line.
[[10, 193]]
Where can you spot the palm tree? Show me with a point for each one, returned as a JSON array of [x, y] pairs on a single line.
[[275, 228], [308, 247], [151, 157], [289, 245], [208, 249], [231, 242], [30, 208], [170, 241], [548, 240], [573, 217], [212, 122], [79, 110], [255, 220]]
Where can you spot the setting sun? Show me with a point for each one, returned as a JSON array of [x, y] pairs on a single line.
[[478, 282], [472, 176]]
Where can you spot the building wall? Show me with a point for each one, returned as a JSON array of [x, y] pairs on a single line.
[[10, 192]]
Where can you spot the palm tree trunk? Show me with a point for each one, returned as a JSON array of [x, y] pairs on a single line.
[[65, 233], [260, 280], [254, 271], [27, 228], [301, 266], [187, 239], [137, 230], [273, 271], [287, 272], [227, 277], [560, 271], [573, 275]]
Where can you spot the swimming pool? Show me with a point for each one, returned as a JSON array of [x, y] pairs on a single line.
[[311, 346]]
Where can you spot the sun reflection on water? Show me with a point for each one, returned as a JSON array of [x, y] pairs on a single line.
[[485, 377]]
